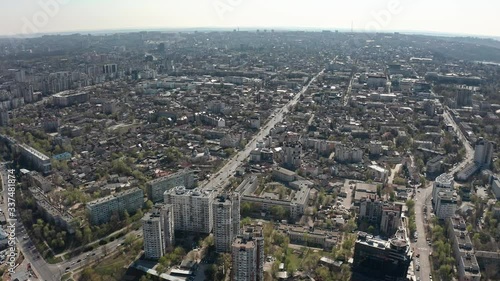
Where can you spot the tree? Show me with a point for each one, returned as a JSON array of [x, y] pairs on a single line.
[[87, 234], [371, 229], [149, 205], [278, 212], [210, 272]]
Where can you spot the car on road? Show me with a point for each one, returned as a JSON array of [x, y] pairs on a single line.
[[78, 261], [67, 269]]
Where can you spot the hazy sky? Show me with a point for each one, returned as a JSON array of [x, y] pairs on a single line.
[[479, 17]]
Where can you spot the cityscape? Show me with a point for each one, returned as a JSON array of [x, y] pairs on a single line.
[[249, 154]]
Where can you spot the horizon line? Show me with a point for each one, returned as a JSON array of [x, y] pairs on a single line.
[[248, 28]]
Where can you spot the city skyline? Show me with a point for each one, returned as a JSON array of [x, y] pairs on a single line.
[[61, 16]]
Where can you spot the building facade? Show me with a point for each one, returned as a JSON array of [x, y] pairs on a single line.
[[446, 204], [226, 211], [101, 210], [158, 231], [35, 158], [483, 153], [376, 259], [192, 209], [247, 252], [292, 155], [157, 187]]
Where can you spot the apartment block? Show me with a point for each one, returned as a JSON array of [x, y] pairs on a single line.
[[69, 98], [192, 209], [51, 213], [38, 160], [158, 231], [446, 204], [442, 182], [226, 211], [157, 187], [247, 252], [102, 209]]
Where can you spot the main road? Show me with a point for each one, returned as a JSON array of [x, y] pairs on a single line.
[[423, 198], [221, 178], [469, 151], [44, 270]]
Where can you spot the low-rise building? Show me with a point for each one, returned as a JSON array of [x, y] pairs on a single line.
[[468, 268], [284, 175]]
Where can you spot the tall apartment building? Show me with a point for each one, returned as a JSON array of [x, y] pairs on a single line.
[[157, 187], [442, 182], [483, 153], [464, 97], [446, 204], [4, 118], [35, 158], [226, 211], [158, 230], [248, 255], [102, 209], [390, 219], [292, 154], [192, 209], [385, 214]]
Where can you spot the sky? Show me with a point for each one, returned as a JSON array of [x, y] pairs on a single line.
[[477, 17]]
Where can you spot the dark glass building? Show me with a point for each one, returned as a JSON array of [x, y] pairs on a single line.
[[376, 259]]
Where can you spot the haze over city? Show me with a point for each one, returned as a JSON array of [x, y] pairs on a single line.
[[249, 140], [445, 17]]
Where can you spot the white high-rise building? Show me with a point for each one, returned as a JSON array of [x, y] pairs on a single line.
[[192, 209], [446, 204], [248, 255], [157, 227], [442, 182], [226, 211], [292, 154], [483, 153]]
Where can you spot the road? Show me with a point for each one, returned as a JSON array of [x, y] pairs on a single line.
[[347, 94], [421, 247], [423, 198], [221, 179], [42, 269], [53, 272], [469, 151], [394, 171]]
